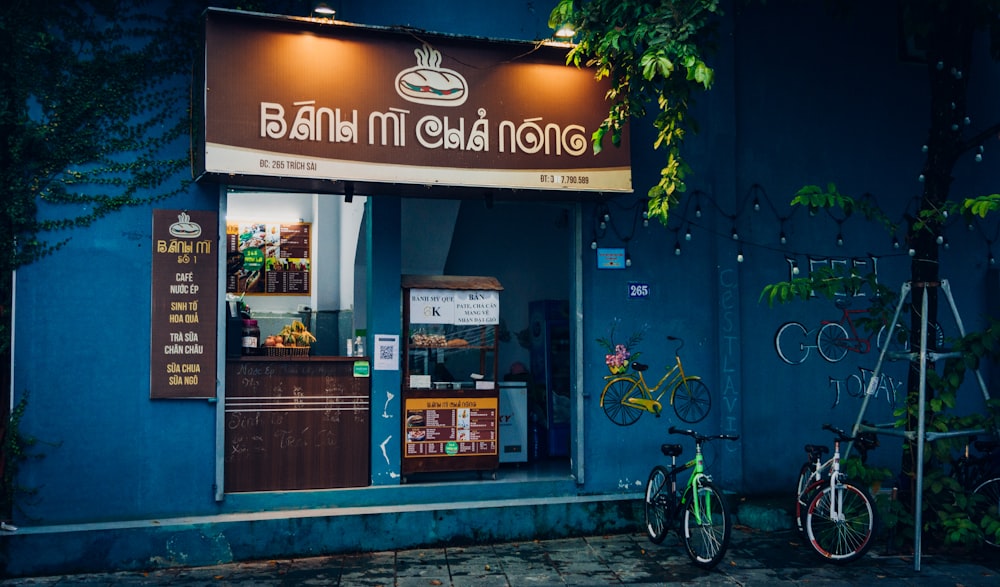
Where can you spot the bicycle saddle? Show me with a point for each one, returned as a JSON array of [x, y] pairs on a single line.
[[637, 366], [671, 450], [817, 449]]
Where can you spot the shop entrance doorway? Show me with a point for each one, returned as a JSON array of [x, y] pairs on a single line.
[[527, 246]]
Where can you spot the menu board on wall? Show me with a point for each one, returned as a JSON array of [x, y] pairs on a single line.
[[268, 258], [184, 304], [451, 426]]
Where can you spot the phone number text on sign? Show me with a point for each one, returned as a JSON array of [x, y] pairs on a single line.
[[565, 179]]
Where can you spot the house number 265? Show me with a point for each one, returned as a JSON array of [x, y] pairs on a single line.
[[638, 290]]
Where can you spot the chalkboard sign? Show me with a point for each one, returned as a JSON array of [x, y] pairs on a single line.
[[296, 424], [184, 304]]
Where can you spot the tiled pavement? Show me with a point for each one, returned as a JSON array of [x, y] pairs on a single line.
[[754, 558]]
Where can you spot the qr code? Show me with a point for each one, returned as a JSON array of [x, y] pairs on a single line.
[[385, 352]]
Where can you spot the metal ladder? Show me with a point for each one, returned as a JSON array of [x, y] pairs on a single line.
[[920, 435]]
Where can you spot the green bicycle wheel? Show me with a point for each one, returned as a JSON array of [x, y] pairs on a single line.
[[691, 400], [614, 401], [707, 525], [657, 504]]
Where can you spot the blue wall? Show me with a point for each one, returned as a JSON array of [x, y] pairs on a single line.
[[786, 111]]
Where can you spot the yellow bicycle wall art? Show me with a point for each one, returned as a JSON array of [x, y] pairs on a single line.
[[626, 394]]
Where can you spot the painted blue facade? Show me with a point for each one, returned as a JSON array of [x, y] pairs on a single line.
[[800, 98]]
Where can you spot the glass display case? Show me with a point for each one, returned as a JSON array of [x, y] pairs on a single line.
[[450, 391]]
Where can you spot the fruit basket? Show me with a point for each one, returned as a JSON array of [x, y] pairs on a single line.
[[286, 351], [293, 341]]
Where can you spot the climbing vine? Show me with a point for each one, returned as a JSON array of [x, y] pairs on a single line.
[[653, 53]]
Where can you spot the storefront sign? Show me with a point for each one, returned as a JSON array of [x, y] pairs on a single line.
[[184, 304], [459, 307], [294, 99], [268, 257], [451, 426]]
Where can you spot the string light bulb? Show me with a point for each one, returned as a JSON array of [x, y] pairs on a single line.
[[782, 238], [677, 248]]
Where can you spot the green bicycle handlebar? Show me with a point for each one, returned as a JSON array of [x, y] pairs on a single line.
[[700, 437]]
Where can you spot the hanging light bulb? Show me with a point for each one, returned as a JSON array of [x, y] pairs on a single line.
[[756, 205], [993, 261], [607, 217], [795, 268], [782, 238], [677, 248], [645, 218], [736, 235], [739, 256], [603, 225], [940, 239], [628, 260], [911, 252], [895, 243], [593, 245], [840, 240], [687, 235], [697, 211]]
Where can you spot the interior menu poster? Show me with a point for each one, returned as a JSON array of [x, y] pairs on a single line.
[[268, 257], [451, 426]]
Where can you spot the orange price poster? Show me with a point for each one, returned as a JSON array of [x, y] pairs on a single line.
[[451, 426]]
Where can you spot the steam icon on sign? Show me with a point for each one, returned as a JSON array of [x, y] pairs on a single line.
[[429, 83]]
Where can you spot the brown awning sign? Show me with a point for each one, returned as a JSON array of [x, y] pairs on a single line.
[[291, 98]]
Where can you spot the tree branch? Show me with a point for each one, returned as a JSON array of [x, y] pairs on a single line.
[[988, 132]]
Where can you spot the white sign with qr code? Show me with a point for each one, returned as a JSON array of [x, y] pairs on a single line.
[[386, 352]]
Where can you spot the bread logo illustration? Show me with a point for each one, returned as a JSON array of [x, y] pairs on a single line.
[[184, 228], [429, 83]]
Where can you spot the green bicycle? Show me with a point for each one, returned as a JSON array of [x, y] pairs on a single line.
[[626, 396], [700, 515]]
